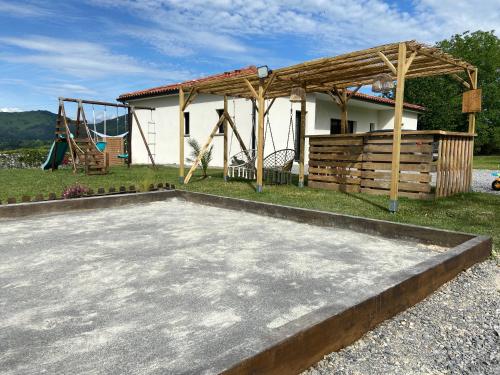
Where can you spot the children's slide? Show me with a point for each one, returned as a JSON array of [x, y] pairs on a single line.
[[56, 154]]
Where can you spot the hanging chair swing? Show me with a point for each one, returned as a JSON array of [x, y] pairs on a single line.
[[278, 164], [242, 164]]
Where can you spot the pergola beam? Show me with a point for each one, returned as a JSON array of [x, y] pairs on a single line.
[[460, 80], [388, 63], [251, 88]]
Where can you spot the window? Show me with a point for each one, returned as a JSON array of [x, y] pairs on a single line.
[[186, 124], [336, 129], [372, 126], [221, 126]]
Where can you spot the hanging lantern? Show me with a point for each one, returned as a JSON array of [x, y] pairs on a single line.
[[297, 94], [383, 83]]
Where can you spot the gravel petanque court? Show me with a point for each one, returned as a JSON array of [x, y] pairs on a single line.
[[175, 287]]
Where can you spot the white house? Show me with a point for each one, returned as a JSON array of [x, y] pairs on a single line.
[[161, 127]]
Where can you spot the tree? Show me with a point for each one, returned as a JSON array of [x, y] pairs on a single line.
[[195, 151], [443, 96]]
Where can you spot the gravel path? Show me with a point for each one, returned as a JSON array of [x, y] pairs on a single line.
[[481, 181], [454, 331]]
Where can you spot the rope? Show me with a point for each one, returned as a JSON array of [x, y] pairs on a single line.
[[268, 126], [105, 132], [117, 120], [93, 116]]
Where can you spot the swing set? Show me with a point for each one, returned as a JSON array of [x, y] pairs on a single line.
[[88, 148]]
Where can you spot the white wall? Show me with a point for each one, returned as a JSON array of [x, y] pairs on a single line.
[[203, 117]]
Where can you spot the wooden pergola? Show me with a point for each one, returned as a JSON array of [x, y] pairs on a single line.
[[334, 76]]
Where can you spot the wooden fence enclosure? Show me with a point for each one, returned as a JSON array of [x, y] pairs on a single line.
[[362, 163]]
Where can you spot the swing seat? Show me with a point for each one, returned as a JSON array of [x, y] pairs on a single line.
[[278, 167], [242, 165], [122, 156]]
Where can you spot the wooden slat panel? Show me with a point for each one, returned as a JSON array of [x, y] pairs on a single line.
[[333, 149], [405, 177], [329, 163], [334, 186], [403, 167], [409, 186], [332, 141], [405, 158], [335, 171], [338, 163], [404, 140], [336, 179], [340, 157], [424, 148]]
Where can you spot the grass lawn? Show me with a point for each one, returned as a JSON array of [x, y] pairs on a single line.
[[471, 212], [487, 162]]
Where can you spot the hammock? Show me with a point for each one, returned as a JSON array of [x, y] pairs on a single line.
[[108, 136]]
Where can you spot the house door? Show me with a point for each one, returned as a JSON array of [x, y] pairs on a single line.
[[297, 135]]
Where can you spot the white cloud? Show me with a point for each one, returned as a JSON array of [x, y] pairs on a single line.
[[23, 9], [78, 58], [178, 28], [10, 109]]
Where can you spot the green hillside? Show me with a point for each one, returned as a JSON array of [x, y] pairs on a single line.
[[26, 129], [36, 128]]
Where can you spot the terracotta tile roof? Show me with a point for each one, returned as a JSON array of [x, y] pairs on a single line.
[[381, 100], [172, 89]]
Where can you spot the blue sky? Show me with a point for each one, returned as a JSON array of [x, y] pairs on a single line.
[[101, 48]]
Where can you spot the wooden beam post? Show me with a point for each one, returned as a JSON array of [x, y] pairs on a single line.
[[143, 138], [398, 118], [181, 135], [260, 137], [472, 128], [129, 137], [343, 114], [68, 137], [302, 139], [472, 116], [57, 139], [225, 139]]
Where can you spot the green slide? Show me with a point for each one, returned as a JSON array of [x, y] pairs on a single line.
[[62, 147]]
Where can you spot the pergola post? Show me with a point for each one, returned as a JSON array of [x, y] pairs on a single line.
[[343, 112], [129, 137], [302, 138], [181, 135], [472, 115], [398, 118], [224, 124], [260, 137]]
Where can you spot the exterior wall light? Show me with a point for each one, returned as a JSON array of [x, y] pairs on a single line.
[[263, 71]]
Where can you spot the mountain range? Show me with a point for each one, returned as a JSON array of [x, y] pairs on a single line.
[[36, 128]]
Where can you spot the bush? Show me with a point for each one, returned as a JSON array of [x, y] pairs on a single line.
[[23, 158]]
